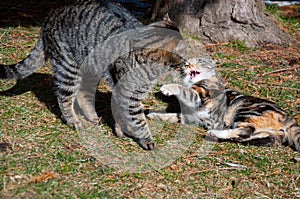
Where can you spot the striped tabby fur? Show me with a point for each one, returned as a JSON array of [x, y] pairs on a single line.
[[93, 40], [227, 114]]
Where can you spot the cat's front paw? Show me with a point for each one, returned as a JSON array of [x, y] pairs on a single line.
[[153, 116], [169, 89], [147, 143]]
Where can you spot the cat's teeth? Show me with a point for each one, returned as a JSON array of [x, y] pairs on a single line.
[[193, 74]]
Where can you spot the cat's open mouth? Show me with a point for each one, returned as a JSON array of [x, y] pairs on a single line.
[[193, 74]]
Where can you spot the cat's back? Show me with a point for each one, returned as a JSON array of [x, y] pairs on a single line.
[[241, 107], [91, 16], [242, 101], [87, 23]]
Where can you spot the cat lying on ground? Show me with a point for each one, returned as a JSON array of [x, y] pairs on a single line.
[[227, 114]]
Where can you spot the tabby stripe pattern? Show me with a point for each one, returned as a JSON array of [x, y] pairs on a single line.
[[33, 61]]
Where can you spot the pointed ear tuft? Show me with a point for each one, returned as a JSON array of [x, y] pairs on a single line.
[[167, 18]]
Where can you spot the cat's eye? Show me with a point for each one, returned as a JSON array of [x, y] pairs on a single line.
[[186, 64]]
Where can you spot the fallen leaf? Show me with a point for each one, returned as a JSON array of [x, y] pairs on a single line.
[[48, 175]]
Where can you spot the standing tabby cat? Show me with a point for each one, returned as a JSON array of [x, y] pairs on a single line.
[[227, 114], [93, 40]]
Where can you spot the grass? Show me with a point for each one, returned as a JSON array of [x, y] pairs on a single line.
[[41, 157], [288, 18]]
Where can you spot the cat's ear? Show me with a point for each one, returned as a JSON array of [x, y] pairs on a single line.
[[167, 18], [165, 23]]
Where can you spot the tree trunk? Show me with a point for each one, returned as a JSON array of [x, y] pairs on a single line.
[[215, 21]]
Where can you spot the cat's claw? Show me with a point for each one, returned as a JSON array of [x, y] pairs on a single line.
[[147, 144]]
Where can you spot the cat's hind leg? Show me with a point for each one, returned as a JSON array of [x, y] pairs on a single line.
[[261, 139], [67, 83], [247, 136], [266, 137], [85, 99]]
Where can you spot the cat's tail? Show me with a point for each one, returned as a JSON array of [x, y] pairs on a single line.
[[27, 66], [294, 135]]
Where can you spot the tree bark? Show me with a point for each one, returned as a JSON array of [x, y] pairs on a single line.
[[218, 21]]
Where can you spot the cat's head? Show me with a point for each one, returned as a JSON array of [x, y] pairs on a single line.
[[197, 69]]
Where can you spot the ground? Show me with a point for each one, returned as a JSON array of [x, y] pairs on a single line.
[[41, 157]]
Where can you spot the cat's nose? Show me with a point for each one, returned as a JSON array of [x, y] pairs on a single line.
[[191, 65]]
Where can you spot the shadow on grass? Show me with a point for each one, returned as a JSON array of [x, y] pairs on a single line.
[[173, 104], [42, 87]]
